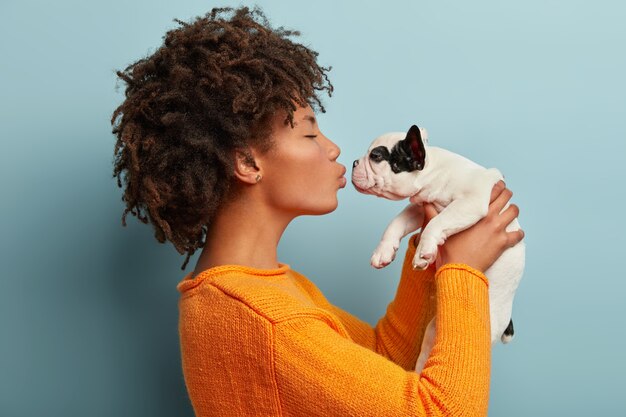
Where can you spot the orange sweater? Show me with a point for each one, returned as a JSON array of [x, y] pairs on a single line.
[[266, 342]]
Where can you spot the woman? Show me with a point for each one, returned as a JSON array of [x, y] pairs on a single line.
[[220, 148]]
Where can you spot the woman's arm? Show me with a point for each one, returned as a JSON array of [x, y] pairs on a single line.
[[320, 373]]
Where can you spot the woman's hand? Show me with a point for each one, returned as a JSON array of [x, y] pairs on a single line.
[[481, 244]]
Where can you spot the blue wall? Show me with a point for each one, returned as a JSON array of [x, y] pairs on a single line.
[[88, 309]]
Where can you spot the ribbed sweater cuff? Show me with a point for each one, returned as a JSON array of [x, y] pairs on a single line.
[[462, 305], [461, 267]]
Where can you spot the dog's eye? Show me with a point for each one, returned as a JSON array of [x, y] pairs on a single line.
[[376, 157], [379, 153]]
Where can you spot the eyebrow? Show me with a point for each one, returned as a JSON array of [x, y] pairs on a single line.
[[309, 118]]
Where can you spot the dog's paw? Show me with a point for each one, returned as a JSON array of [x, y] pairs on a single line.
[[425, 254], [419, 263], [384, 254]]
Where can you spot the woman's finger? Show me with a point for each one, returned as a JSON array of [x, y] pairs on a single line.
[[514, 237], [508, 215], [498, 204], [498, 187]]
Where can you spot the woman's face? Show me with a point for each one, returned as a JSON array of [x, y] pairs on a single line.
[[300, 173]]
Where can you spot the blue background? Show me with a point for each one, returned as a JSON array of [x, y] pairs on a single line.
[[88, 309]]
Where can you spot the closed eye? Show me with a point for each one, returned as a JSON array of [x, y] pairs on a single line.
[[310, 136]]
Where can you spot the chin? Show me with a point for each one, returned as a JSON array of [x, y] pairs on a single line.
[[331, 207], [321, 209]]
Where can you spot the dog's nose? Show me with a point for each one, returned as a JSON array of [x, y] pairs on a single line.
[[355, 163]]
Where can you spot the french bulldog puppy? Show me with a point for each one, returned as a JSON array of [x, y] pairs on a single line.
[[401, 165]]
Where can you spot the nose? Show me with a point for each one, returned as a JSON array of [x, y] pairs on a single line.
[[335, 151], [355, 163]]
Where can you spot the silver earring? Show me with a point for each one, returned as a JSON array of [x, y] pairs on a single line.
[[258, 178]]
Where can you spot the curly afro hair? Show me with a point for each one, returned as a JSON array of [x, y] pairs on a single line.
[[210, 89]]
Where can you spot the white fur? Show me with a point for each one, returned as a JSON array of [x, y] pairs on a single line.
[[460, 190]]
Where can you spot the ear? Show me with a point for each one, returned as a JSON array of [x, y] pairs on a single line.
[[245, 166], [424, 135], [414, 146]]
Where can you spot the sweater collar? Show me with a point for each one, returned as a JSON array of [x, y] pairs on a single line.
[[188, 282]]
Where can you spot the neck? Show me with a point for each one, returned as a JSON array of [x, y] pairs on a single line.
[[244, 232]]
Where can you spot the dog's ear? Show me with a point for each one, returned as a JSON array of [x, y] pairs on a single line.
[[413, 145]]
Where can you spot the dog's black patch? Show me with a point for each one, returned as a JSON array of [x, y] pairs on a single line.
[[379, 153], [409, 154]]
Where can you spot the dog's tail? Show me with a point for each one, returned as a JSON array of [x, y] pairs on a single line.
[[508, 334]]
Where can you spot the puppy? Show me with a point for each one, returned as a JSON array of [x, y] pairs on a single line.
[[401, 165]]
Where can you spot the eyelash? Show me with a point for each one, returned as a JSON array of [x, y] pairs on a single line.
[[310, 136]]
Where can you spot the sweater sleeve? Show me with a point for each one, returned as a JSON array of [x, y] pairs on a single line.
[[398, 334], [320, 372]]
